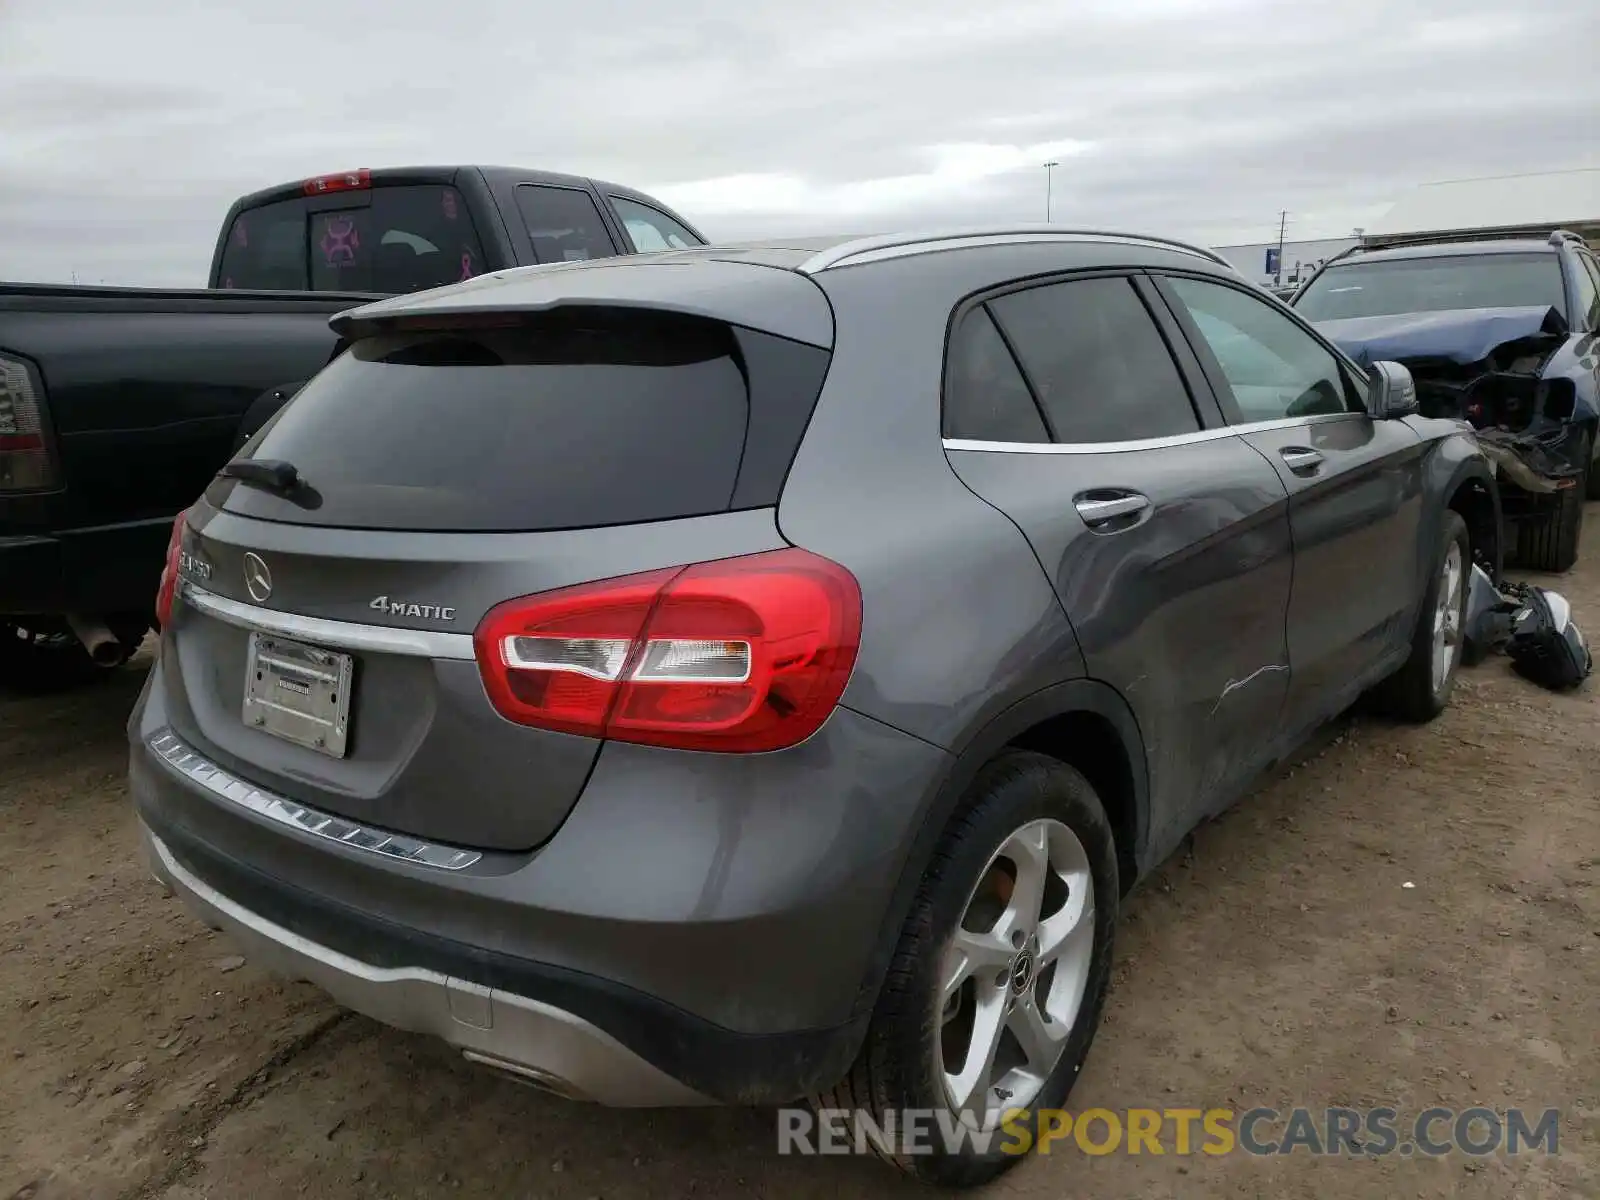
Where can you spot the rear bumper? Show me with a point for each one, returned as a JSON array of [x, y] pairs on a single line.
[[539, 1042], [719, 919]]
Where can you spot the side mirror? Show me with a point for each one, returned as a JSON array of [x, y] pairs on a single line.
[[1393, 393]]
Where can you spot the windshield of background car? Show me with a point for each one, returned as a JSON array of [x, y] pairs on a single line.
[[406, 239], [1412, 285]]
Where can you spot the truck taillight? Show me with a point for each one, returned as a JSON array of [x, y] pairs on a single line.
[[26, 464], [169, 573], [344, 181], [739, 655]]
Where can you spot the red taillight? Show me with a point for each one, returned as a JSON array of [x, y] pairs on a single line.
[[169, 573], [25, 461], [740, 654], [345, 181]]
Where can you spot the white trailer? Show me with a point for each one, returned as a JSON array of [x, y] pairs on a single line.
[[1503, 205]]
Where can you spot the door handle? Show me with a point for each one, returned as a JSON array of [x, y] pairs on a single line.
[[1099, 508], [1301, 460]]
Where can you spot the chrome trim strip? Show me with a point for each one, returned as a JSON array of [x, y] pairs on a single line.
[[869, 249], [1160, 443], [345, 635], [171, 749]]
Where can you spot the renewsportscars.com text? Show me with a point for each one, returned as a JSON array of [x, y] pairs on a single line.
[[1331, 1132]]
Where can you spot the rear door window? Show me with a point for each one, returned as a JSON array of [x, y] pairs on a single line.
[[1097, 361], [563, 223], [578, 418], [651, 229], [398, 239]]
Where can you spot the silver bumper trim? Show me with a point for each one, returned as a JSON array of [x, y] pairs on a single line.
[[190, 763], [542, 1044], [345, 635]]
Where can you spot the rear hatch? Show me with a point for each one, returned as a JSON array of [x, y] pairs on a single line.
[[443, 471]]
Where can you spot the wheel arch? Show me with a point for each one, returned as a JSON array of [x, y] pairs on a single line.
[[1473, 494], [1082, 722]]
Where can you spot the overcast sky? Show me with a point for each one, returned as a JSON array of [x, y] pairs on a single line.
[[127, 126]]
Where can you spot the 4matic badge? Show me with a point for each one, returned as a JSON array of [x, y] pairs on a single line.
[[403, 608]]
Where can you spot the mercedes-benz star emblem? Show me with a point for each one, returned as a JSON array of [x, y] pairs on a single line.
[[1022, 973], [257, 578]]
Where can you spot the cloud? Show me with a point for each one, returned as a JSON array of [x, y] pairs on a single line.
[[130, 127], [958, 174]]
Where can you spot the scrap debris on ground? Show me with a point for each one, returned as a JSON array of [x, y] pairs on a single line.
[[1406, 917]]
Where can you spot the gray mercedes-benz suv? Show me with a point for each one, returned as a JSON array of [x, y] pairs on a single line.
[[744, 675]]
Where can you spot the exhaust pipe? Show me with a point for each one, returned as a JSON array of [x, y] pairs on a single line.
[[102, 645]]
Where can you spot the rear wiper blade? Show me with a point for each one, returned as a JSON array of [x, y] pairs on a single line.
[[272, 475]]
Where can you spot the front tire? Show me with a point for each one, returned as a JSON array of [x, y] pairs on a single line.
[[997, 984]]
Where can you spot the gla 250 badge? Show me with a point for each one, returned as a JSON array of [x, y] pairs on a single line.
[[404, 608]]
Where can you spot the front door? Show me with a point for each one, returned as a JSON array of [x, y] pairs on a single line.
[[1354, 483]]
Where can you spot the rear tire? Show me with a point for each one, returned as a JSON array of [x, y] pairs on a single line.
[[1018, 907], [1420, 690]]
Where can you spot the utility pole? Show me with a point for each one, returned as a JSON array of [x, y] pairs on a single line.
[[1283, 223], [1049, 186]]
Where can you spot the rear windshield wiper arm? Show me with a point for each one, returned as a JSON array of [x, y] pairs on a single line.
[[270, 475]]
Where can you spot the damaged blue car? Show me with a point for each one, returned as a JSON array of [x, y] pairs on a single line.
[[1504, 334]]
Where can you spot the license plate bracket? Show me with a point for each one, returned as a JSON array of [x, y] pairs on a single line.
[[299, 693]]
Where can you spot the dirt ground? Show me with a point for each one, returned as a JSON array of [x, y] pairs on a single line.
[[1286, 963]]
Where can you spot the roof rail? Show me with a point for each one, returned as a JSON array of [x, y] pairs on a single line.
[[1503, 234], [927, 242], [1558, 236]]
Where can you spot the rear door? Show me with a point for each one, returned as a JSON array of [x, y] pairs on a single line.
[[1070, 406], [1355, 486]]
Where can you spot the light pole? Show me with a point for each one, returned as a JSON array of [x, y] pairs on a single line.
[[1049, 187]]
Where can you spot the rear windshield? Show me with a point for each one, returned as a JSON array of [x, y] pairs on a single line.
[[389, 239], [1411, 285], [581, 418]]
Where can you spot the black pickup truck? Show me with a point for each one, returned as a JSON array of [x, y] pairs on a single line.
[[118, 405]]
